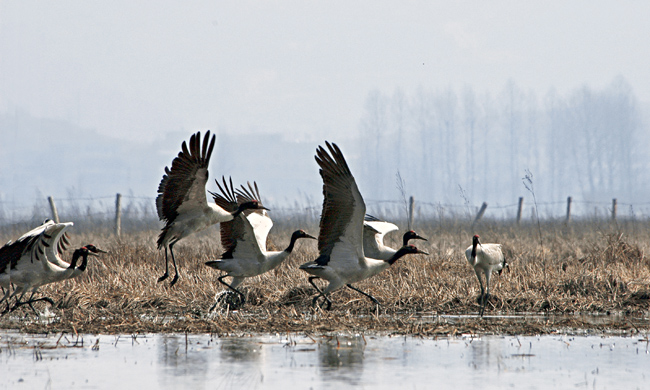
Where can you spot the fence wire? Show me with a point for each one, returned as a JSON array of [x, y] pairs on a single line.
[[141, 210]]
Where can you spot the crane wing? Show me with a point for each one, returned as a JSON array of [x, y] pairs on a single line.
[[374, 231], [493, 253], [239, 237], [51, 238], [183, 186], [382, 227], [260, 225], [341, 222], [232, 230], [11, 252], [258, 218], [37, 230], [248, 246]]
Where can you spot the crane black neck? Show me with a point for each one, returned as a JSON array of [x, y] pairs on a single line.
[[401, 252], [75, 258], [294, 238], [83, 253], [474, 245], [406, 238]]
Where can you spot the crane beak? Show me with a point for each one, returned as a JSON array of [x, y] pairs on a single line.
[[418, 237], [422, 252], [310, 236], [97, 251]]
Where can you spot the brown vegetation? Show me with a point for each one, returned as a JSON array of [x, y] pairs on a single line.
[[583, 268]]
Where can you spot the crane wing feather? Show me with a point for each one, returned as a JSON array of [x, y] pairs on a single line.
[[11, 252], [248, 245], [183, 186], [232, 230], [258, 218], [341, 222]]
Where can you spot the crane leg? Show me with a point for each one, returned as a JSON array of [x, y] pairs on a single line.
[[166, 274], [241, 295], [487, 292], [481, 298], [6, 291], [30, 302], [376, 302], [6, 310], [18, 297], [320, 294], [171, 250]]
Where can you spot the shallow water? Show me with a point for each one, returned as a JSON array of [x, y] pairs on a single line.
[[173, 361]]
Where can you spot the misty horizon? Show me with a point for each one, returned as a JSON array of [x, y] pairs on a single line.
[[421, 137], [463, 100]]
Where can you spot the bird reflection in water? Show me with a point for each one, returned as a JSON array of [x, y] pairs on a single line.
[[341, 359], [178, 358]]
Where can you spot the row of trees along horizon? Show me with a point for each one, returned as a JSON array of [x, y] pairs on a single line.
[[449, 149], [473, 147]]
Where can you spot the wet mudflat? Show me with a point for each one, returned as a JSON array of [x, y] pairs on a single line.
[[197, 361]]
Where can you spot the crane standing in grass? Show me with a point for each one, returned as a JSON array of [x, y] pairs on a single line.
[[485, 258], [182, 203]]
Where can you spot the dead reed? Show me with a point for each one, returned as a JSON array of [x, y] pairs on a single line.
[[586, 267]]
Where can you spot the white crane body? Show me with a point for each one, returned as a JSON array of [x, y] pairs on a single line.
[[244, 238], [342, 260], [485, 259], [38, 262]]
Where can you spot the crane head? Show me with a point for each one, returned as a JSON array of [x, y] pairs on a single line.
[[411, 235], [302, 234], [405, 250], [92, 250]]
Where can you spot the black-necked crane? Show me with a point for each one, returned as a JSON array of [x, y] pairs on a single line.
[[12, 252], [485, 259], [341, 260], [244, 239], [46, 266], [374, 231], [182, 202], [39, 263]]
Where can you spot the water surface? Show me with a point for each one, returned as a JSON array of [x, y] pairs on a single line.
[[178, 361]]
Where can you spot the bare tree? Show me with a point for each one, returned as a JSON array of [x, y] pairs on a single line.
[[374, 129], [470, 113]]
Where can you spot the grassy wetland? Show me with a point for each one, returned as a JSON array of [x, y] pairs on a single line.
[[557, 272]]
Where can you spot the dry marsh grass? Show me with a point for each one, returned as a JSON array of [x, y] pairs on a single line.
[[587, 267]]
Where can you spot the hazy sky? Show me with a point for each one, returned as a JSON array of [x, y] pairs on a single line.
[[134, 69]]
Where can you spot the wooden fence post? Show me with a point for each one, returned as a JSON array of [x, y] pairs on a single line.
[[118, 215], [411, 207], [55, 214], [480, 212], [519, 209], [568, 209], [614, 205]]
